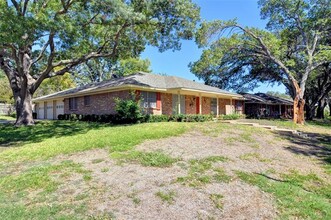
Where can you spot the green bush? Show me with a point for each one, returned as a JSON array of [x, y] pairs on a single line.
[[156, 118], [231, 117], [128, 111]]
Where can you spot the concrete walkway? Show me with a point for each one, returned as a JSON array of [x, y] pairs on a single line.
[[270, 127]]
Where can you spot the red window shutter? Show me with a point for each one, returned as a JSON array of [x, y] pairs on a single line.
[[158, 100], [137, 93], [197, 105]]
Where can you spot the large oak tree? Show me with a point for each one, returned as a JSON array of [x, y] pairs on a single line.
[[46, 38], [289, 52]]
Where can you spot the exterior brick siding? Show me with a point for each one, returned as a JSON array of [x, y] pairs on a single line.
[[190, 104], [166, 103], [99, 103], [205, 105], [222, 103], [105, 104]]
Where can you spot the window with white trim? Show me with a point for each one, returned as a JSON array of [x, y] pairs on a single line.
[[148, 99]]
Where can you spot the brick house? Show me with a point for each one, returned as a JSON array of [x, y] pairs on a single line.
[[159, 95]]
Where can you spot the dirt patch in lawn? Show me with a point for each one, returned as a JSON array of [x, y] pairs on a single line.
[[200, 184], [132, 191]]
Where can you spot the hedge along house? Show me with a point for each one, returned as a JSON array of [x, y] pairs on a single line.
[[261, 105], [159, 95]]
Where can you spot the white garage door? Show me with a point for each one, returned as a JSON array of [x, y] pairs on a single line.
[[50, 110], [59, 108], [40, 113]]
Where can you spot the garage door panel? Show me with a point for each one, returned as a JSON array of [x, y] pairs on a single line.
[[40, 113], [49, 110]]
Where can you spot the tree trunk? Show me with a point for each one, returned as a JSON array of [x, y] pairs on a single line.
[[320, 109], [310, 112], [23, 103], [299, 110]]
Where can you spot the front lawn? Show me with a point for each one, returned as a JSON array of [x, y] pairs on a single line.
[[78, 170]]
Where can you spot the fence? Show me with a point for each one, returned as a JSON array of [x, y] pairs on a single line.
[[6, 109]]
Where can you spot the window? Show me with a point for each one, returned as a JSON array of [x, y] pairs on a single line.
[[73, 103], [87, 100], [213, 106], [148, 99]]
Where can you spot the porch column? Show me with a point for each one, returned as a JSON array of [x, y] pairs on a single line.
[[280, 109], [231, 105], [218, 105], [200, 104], [178, 102]]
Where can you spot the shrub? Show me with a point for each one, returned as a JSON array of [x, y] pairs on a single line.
[[128, 111], [73, 117], [156, 118], [60, 117], [231, 116], [66, 116]]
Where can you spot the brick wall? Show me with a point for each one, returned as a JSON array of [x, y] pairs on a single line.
[[99, 103], [166, 103], [222, 103], [190, 104], [205, 105]]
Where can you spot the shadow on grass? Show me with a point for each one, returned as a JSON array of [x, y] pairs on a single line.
[[310, 144], [11, 136]]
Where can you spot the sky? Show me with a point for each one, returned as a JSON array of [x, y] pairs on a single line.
[[176, 63]]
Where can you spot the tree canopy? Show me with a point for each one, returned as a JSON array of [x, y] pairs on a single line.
[[100, 69], [46, 38], [295, 44]]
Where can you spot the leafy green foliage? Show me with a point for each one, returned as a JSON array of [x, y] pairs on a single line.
[[128, 110], [55, 84], [6, 95], [296, 43], [100, 69]]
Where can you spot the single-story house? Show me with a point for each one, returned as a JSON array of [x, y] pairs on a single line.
[[261, 105], [160, 95]]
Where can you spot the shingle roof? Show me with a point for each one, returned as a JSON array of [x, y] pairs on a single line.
[[263, 98], [139, 79]]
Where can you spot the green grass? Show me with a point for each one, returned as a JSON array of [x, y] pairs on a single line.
[[42, 181], [217, 199], [52, 138], [152, 159], [168, 197], [294, 200], [38, 177], [6, 118], [252, 156], [202, 171]]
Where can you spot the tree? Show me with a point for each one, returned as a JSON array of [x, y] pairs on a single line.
[[288, 53], [133, 65], [318, 88], [5, 95], [278, 94], [97, 70], [37, 37], [55, 84]]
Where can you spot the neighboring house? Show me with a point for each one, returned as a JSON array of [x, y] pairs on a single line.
[[261, 105], [160, 95]]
